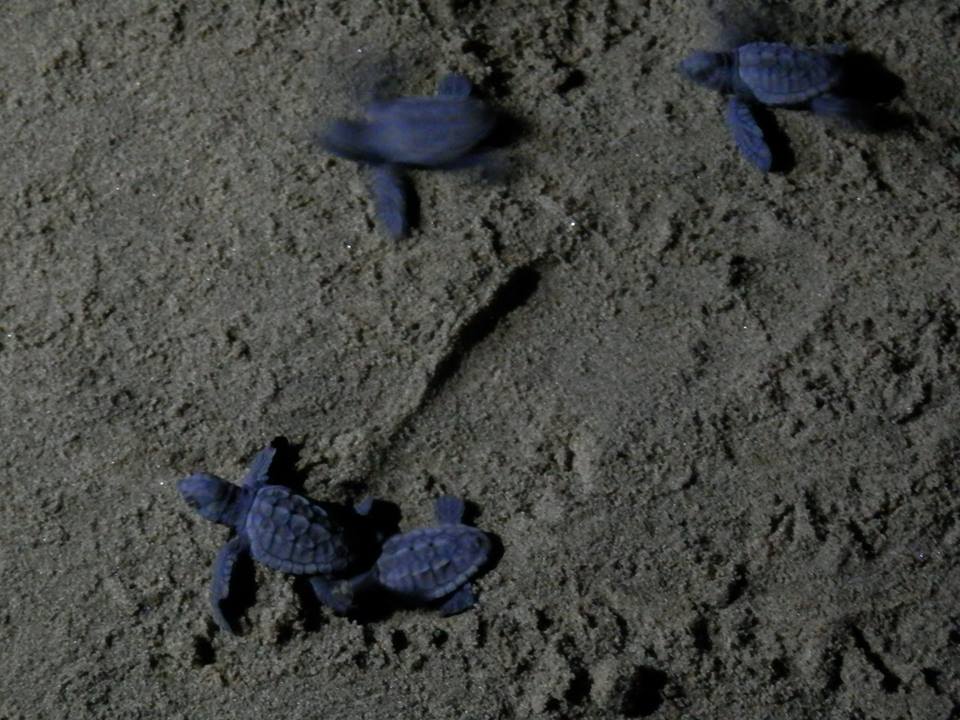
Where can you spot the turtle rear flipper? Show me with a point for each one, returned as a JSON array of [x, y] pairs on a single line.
[[852, 111], [463, 599], [335, 594]]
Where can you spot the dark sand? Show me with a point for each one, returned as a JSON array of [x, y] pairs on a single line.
[[713, 416]]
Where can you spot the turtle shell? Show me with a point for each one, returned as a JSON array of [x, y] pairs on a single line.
[[427, 131], [429, 563], [290, 533], [777, 74]]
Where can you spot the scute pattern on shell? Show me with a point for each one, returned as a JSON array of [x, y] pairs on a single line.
[[778, 74], [289, 533], [429, 563]]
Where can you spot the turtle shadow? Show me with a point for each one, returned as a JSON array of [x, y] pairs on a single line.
[[508, 130], [412, 201], [313, 612], [285, 469], [873, 86], [367, 535], [495, 164], [242, 594], [371, 530], [288, 470], [866, 78], [781, 152]]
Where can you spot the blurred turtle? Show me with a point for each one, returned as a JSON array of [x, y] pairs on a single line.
[[440, 132], [775, 75]]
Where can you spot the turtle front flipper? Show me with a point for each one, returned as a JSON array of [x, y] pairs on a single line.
[[455, 85], [259, 471], [748, 135], [390, 199], [850, 110], [449, 509], [222, 575], [463, 599]]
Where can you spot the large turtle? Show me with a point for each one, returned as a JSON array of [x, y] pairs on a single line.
[[279, 528], [440, 132], [426, 565], [772, 74]]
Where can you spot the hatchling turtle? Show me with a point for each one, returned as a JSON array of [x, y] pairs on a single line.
[[772, 74], [440, 132], [427, 565], [280, 529]]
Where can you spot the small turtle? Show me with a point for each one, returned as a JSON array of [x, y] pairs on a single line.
[[279, 528], [772, 74], [440, 132], [427, 564]]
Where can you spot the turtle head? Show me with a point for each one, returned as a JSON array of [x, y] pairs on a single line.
[[212, 497], [711, 69]]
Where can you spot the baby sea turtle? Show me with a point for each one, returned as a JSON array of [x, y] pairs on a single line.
[[439, 132], [772, 74], [427, 565], [279, 528]]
